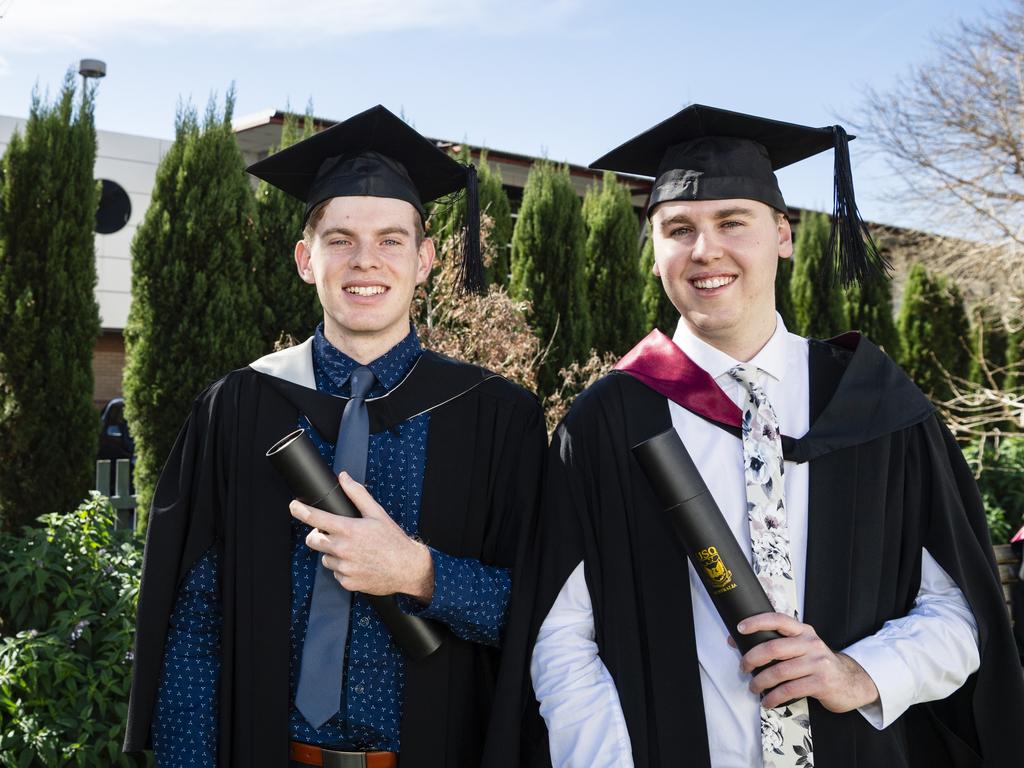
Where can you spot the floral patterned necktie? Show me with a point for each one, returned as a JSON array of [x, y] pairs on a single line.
[[786, 730]]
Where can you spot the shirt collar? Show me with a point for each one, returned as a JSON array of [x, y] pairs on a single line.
[[332, 367], [771, 358]]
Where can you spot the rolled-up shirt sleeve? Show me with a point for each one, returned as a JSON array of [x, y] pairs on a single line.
[[923, 656]]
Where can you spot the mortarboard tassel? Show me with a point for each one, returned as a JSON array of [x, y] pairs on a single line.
[[856, 257], [471, 270]]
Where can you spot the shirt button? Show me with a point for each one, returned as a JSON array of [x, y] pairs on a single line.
[[358, 689], [364, 622]]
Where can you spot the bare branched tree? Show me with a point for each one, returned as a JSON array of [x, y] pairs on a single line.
[[953, 130], [985, 412]]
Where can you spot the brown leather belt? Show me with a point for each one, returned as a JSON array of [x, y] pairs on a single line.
[[307, 754]]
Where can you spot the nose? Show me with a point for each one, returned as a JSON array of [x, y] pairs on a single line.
[[364, 257], [705, 248]]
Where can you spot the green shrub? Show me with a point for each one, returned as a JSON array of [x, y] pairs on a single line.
[[195, 305], [658, 310], [611, 263], [547, 268], [935, 333], [48, 423], [819, 308], [68, 624], [1001, 484]]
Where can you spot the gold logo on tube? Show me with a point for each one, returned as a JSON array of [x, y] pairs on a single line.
[[719, 576]]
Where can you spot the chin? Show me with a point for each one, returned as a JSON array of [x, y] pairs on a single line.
[[710, 323]]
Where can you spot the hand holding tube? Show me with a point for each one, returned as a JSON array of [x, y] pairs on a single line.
[[298, 461]]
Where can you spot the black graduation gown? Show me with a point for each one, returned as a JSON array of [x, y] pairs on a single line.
[[886, 479], [485, 454]]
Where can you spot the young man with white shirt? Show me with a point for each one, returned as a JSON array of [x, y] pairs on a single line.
[[850, 498]]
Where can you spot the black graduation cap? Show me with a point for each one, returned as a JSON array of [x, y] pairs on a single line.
[[705, 153], [376, 154]]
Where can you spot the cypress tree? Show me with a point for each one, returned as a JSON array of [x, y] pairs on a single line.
[[447, 220], [612, 258], [784, 293], [1014, 360], [548, 270], [934, 329], [290, 307], [658, 310], [194, 305], [818, 305], [48, 198], [989, 341], [870, 309]]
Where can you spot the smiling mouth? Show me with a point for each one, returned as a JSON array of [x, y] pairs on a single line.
[[366, 290], [712, 282]]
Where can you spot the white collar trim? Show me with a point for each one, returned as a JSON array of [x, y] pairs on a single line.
[[294, 364]]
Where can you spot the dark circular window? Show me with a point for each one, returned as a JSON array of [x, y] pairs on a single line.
[[115, 208]]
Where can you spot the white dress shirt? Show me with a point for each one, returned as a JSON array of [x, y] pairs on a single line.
[[923, 656]]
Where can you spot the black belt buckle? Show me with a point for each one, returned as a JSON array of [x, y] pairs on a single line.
[[334, 759]]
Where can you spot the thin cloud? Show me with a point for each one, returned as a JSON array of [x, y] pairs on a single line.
[[39, 25]]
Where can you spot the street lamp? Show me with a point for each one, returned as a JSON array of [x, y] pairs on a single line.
[[91, 68]]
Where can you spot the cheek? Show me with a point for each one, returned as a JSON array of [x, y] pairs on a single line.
[[669, 261]]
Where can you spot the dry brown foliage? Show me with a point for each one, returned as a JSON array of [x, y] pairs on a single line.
[[574, 380], [488, 330]]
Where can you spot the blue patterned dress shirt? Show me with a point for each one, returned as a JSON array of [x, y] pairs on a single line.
[[469, 597]]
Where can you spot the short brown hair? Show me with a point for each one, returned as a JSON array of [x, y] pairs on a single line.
[[317, 214]]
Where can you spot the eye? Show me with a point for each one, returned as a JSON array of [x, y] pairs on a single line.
[[731, 224], [392, 241], [680, 232]]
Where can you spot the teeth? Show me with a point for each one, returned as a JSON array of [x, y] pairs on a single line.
[[365, 290], [713, 282]]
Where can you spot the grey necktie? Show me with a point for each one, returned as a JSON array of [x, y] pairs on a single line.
[[318, 695]]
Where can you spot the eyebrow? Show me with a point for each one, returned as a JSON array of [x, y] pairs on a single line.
[[679, 218], [738, 210], [725, 213], [392, 230]]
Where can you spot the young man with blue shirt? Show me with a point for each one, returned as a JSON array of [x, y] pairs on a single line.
[[235, 588]]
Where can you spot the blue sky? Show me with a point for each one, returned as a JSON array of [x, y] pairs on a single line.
[[567, 79]]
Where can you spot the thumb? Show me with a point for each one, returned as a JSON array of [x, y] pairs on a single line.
[[365, 503]]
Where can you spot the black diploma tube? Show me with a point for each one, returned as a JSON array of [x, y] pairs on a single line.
[[308, 477], [704, 534]]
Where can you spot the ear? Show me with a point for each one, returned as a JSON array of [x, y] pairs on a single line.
[[655, 269], [303, 259], [425, 257], [785, 234]]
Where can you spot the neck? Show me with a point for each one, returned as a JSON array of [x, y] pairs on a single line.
[[743, 346], [364, 347]]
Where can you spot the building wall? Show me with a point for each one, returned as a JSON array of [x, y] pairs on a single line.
[[130, 161], [108, 367]]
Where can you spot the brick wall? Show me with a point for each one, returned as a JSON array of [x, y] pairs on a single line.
[[107, 367]]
